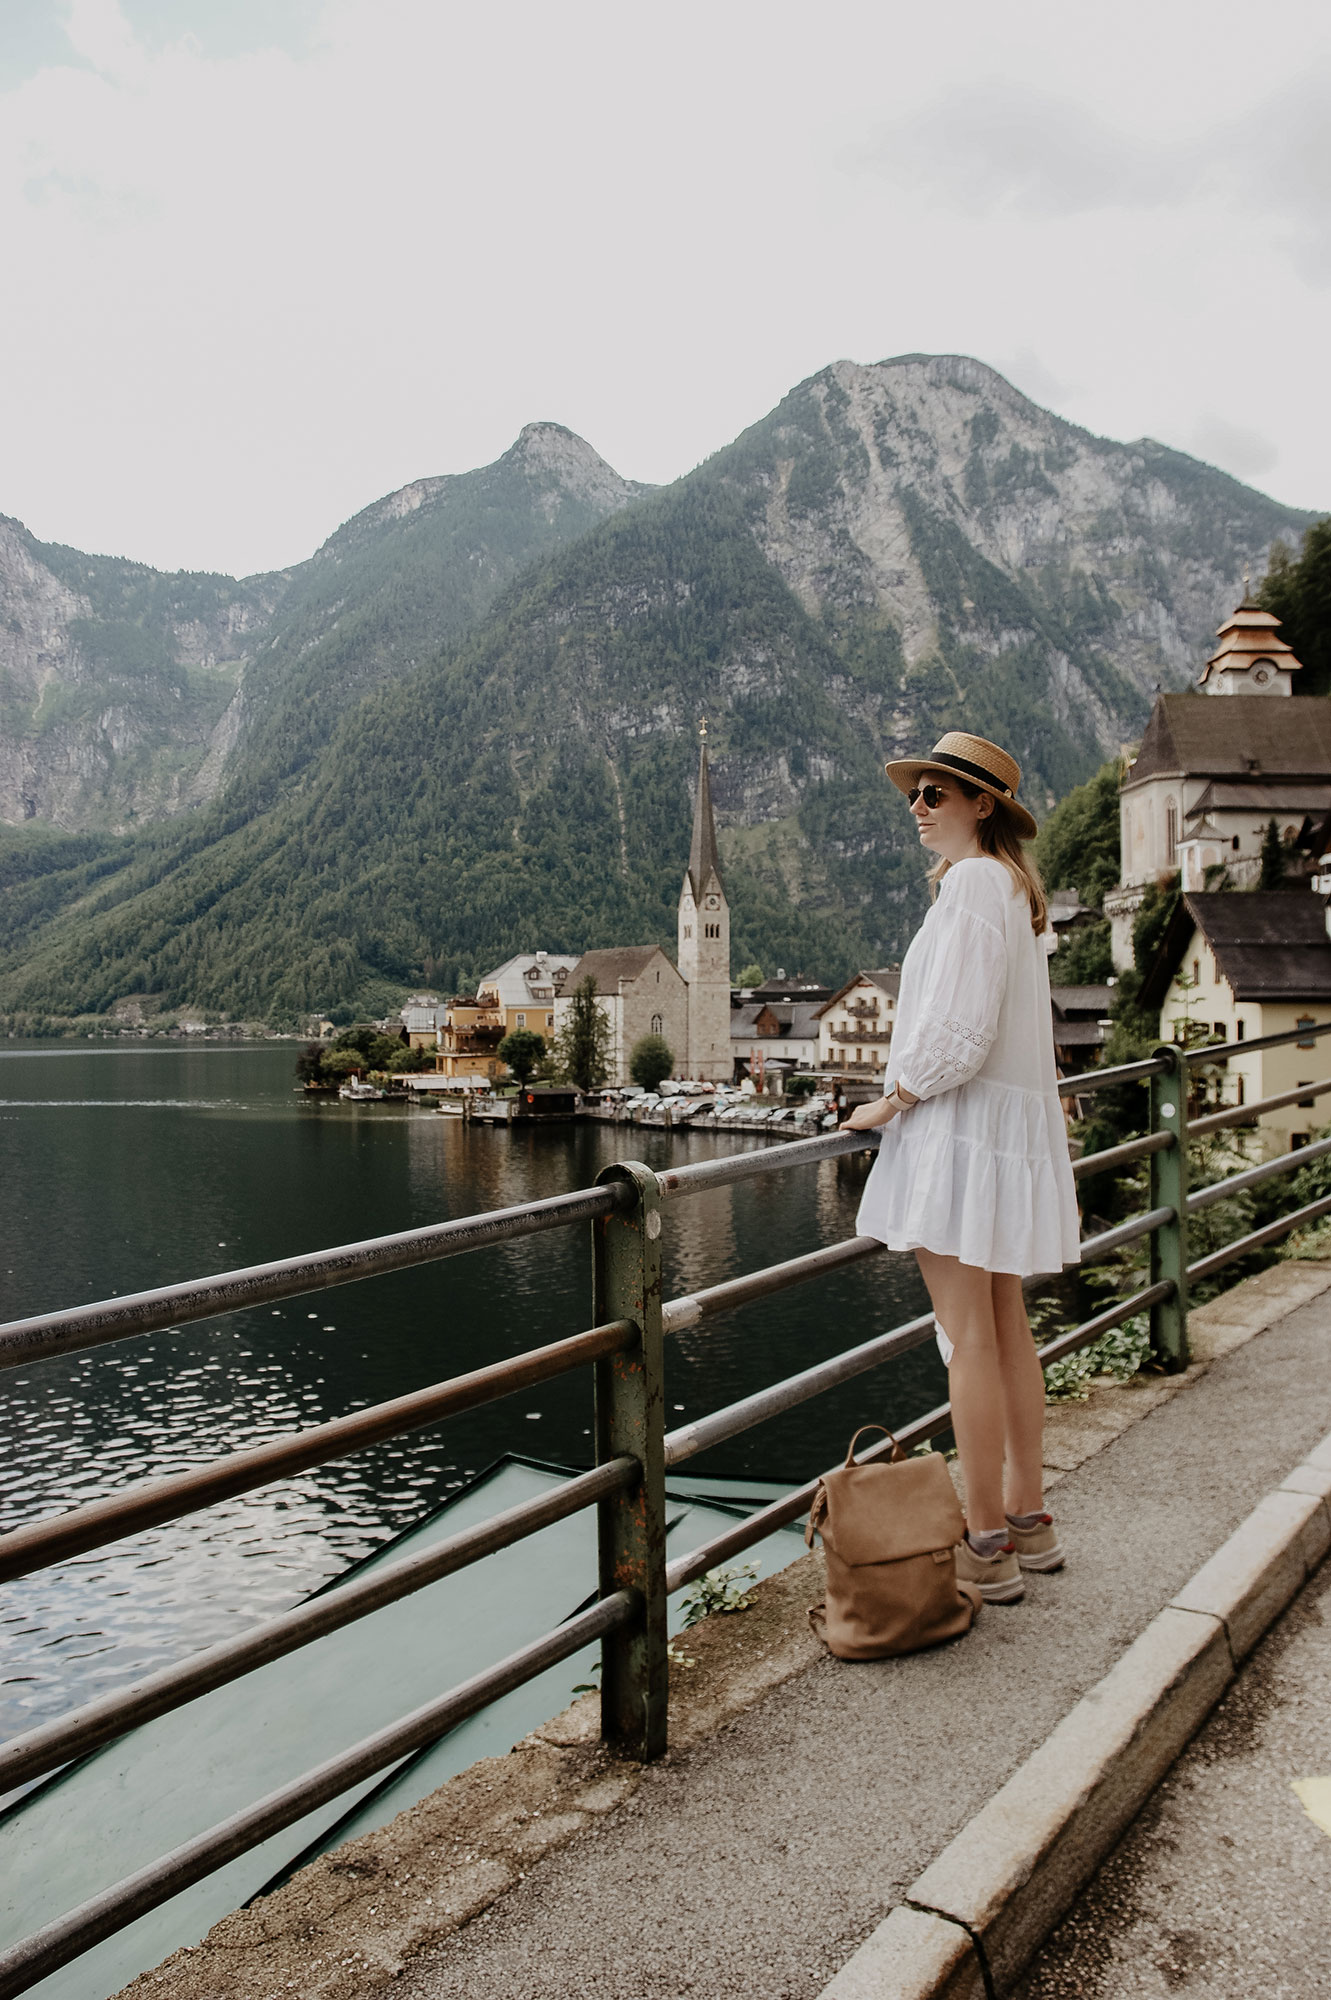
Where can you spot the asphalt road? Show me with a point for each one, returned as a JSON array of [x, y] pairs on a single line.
[[755, 1864], [1222, 1886]]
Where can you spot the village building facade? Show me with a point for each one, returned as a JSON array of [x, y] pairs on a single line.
[[640, 993], [524, 989], [469, 1036], [855, 1026], [771, 1039], [1238, 967]]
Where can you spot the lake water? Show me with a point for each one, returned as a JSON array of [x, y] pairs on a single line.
[[128, 1166]]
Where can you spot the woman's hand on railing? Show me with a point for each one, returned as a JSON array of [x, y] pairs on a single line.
[[866, 1117]]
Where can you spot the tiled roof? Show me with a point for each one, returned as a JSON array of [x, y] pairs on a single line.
[[607, 968], [1236, 736], [795, 1021], [1082, 999], [1078, 1034], [887, 979], [1298, 795], [1268, 945]]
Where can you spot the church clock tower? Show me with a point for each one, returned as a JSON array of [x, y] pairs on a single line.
[[704, 944]]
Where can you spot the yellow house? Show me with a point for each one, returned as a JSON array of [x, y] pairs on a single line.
[[1252, 964], [471, 1031], [525, 989]]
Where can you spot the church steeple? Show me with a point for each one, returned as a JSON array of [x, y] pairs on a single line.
[[704, 942], [1250, 660], [704, 860]]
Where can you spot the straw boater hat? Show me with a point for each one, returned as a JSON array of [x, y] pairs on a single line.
[[979, 763]]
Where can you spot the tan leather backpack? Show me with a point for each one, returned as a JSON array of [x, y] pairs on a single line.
[[889, 1529]]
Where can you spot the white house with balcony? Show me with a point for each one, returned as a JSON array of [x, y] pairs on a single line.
[[855, 1025]]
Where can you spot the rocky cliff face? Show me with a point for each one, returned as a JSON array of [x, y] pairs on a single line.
[[975, 547], [127, 696], [117, 684]]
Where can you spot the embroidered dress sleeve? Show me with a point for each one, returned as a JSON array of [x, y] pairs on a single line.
[[956, 1018]]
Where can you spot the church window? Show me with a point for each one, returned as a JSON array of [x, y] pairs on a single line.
[[1171, 833], [657, 1024], [688, 930]]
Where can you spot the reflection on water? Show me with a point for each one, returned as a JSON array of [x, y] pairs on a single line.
[[124, 1168]]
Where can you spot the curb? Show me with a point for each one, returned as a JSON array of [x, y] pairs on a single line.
[[980, 1911]]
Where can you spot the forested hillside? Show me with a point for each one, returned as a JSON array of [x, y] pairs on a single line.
[[893, 551]]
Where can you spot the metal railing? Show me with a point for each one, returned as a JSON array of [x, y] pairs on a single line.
[[625, 1347]]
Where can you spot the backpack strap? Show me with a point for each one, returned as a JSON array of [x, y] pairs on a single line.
[[897, 1452], [817, 1515]]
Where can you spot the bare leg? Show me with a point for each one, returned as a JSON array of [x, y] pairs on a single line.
[[1023, 1398], [963, 1302]]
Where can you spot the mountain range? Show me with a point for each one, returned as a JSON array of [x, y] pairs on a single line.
[[467, 725]]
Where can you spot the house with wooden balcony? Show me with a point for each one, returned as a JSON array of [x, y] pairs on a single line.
[[473, 1027], [855, 1025]]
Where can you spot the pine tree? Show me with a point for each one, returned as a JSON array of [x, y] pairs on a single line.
[[582, 1045], [1272, 874]]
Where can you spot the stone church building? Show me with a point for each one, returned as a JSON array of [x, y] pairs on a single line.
[[1211, 774], [641, 993]]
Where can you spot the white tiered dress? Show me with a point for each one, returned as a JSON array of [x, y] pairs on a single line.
[[979, 1169]]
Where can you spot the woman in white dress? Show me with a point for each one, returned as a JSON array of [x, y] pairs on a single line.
[[973, 1172]]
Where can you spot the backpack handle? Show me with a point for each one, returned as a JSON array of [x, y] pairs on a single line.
[[897, 1452]]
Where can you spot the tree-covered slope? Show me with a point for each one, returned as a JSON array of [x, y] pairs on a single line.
[[893, 551]]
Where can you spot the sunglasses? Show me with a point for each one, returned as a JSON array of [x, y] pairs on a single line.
[[933, 795]]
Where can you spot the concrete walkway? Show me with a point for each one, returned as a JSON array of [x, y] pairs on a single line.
[[1222, 1886], [757, 1861]]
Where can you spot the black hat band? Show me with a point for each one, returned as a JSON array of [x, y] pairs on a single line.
[[969, 770]]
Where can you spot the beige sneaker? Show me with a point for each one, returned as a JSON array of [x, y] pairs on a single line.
[[997, 1578], [1037, 1548]]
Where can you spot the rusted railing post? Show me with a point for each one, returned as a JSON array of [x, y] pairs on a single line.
[[1169, 1189], [630, 1420]]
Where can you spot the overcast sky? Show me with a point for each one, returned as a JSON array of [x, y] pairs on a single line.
[[265, 260]]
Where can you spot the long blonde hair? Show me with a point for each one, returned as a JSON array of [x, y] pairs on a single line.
[[999, 837]]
